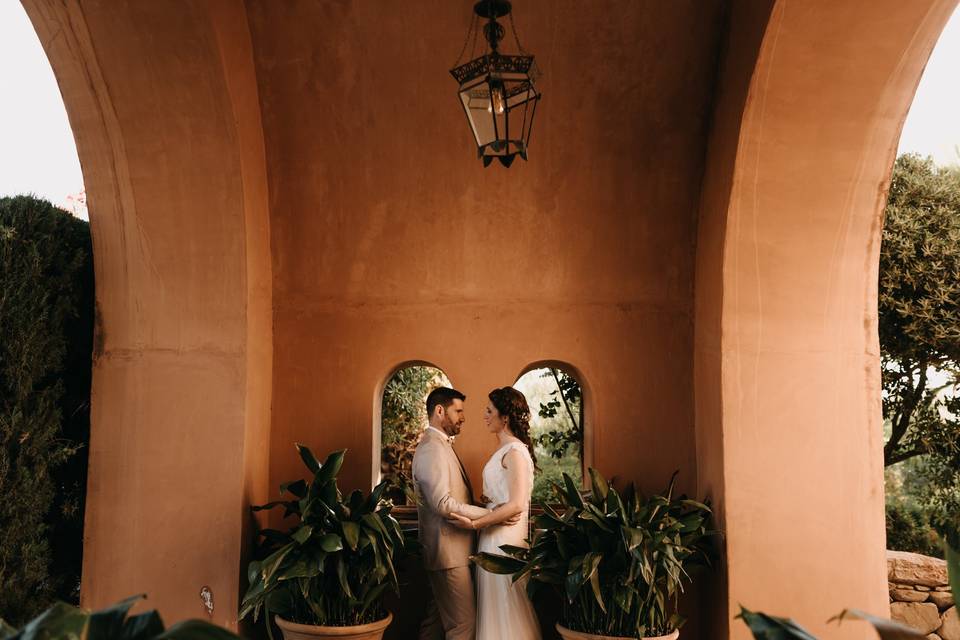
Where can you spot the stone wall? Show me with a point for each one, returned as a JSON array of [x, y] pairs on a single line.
[[920, 595]]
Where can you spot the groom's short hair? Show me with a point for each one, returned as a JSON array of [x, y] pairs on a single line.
[[443, 396]]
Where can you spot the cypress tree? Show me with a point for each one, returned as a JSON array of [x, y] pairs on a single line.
[[46, 327]]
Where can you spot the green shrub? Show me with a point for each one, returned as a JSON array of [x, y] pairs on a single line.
[[113, 623], [909, 529], [46, 309]]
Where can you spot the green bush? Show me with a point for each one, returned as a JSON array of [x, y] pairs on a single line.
[[909, 529], [113, 623], [46, 324]]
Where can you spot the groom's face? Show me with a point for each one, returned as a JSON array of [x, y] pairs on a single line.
[[453, 418]]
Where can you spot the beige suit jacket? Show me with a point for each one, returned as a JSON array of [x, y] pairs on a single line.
[[442, 488]]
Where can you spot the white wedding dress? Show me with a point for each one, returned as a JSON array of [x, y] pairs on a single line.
[[503, 608]]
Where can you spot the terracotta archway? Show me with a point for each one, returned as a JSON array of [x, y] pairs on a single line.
[[162, 102], [813, 96], [232, 322]]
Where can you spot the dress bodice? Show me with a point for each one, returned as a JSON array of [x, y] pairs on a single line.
[[496, 483]]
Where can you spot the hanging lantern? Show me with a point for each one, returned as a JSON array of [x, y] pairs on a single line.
[[497, 90]]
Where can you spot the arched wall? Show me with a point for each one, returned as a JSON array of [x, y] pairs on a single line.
[[391, 241], [589, 411], [266, 244], [376, 447], [786, 348], [162, 101]]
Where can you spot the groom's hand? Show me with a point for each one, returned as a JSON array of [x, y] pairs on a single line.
[[460, 521], [512, 520]]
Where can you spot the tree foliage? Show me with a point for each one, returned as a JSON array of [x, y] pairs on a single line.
[[403, 415], [919, 311], [565, 403], [46, 292]]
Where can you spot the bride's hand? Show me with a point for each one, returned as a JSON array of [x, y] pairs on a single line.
[[460, 521]]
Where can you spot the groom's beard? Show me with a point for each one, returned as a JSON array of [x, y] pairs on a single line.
[[452, 428]]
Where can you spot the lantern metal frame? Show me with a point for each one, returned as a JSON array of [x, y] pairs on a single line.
[[498, 92]]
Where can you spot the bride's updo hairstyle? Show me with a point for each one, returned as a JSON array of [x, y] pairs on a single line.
[[512, 405]]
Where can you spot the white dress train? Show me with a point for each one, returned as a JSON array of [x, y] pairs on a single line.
[[503, 608]]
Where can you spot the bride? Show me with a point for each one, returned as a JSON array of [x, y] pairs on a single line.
[[503, 609]]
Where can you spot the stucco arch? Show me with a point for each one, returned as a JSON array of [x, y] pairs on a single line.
[[786, 348], [170, 142], [376, 450], [761, 311], [588, 408]]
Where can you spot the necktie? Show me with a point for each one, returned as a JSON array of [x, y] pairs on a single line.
[[463, 472]]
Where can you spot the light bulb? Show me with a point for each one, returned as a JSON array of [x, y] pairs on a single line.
[[496, 101]]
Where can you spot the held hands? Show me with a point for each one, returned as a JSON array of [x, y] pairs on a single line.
[[509, 522], [462, 522]]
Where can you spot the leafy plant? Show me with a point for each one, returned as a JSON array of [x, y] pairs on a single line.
[[403, 414], [618, 562], [569, 397], [908, 529], [333, 567], [919, 310], [46, 324], [73, 623], [767, 627]]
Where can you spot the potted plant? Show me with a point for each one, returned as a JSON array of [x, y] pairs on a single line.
[[326, 576], [618, 561], [62, 620]]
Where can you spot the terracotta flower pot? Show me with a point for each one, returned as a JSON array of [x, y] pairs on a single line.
[[372, 631], [568, 634]]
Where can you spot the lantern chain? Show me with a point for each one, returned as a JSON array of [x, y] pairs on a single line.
[[471, 30], [516, 38]]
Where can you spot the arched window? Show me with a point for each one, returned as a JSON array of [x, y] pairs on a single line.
[[403, 414], [555, 397]]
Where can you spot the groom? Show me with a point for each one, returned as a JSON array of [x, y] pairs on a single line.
[[443, 488]]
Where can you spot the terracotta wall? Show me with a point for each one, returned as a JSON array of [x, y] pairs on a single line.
[[286, 206], [787, 355], [391, 243], [161, 97]]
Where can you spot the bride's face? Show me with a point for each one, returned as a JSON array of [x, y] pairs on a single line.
[[494, 421]]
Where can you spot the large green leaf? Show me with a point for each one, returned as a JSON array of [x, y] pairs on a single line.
[[953, 570], [591, 570], [375, 495], [571, 492], [108, 622], [196, 630], [60, 621], [305, 567], [297, 488], [351, 533], [286, 504], [599, 484], [272, 563], [308, 458], [142, 627], [331, 542], [331, 466], [6, 631], [632, 537], [372, 520], [302, 534], [886, 629], [342, 577], [766, 627], [372, 596], [502, 565]]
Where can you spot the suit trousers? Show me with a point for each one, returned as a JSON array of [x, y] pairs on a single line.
[[452, 612]]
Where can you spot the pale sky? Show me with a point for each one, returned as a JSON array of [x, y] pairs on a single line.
[[37, 152], [933, 125]]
